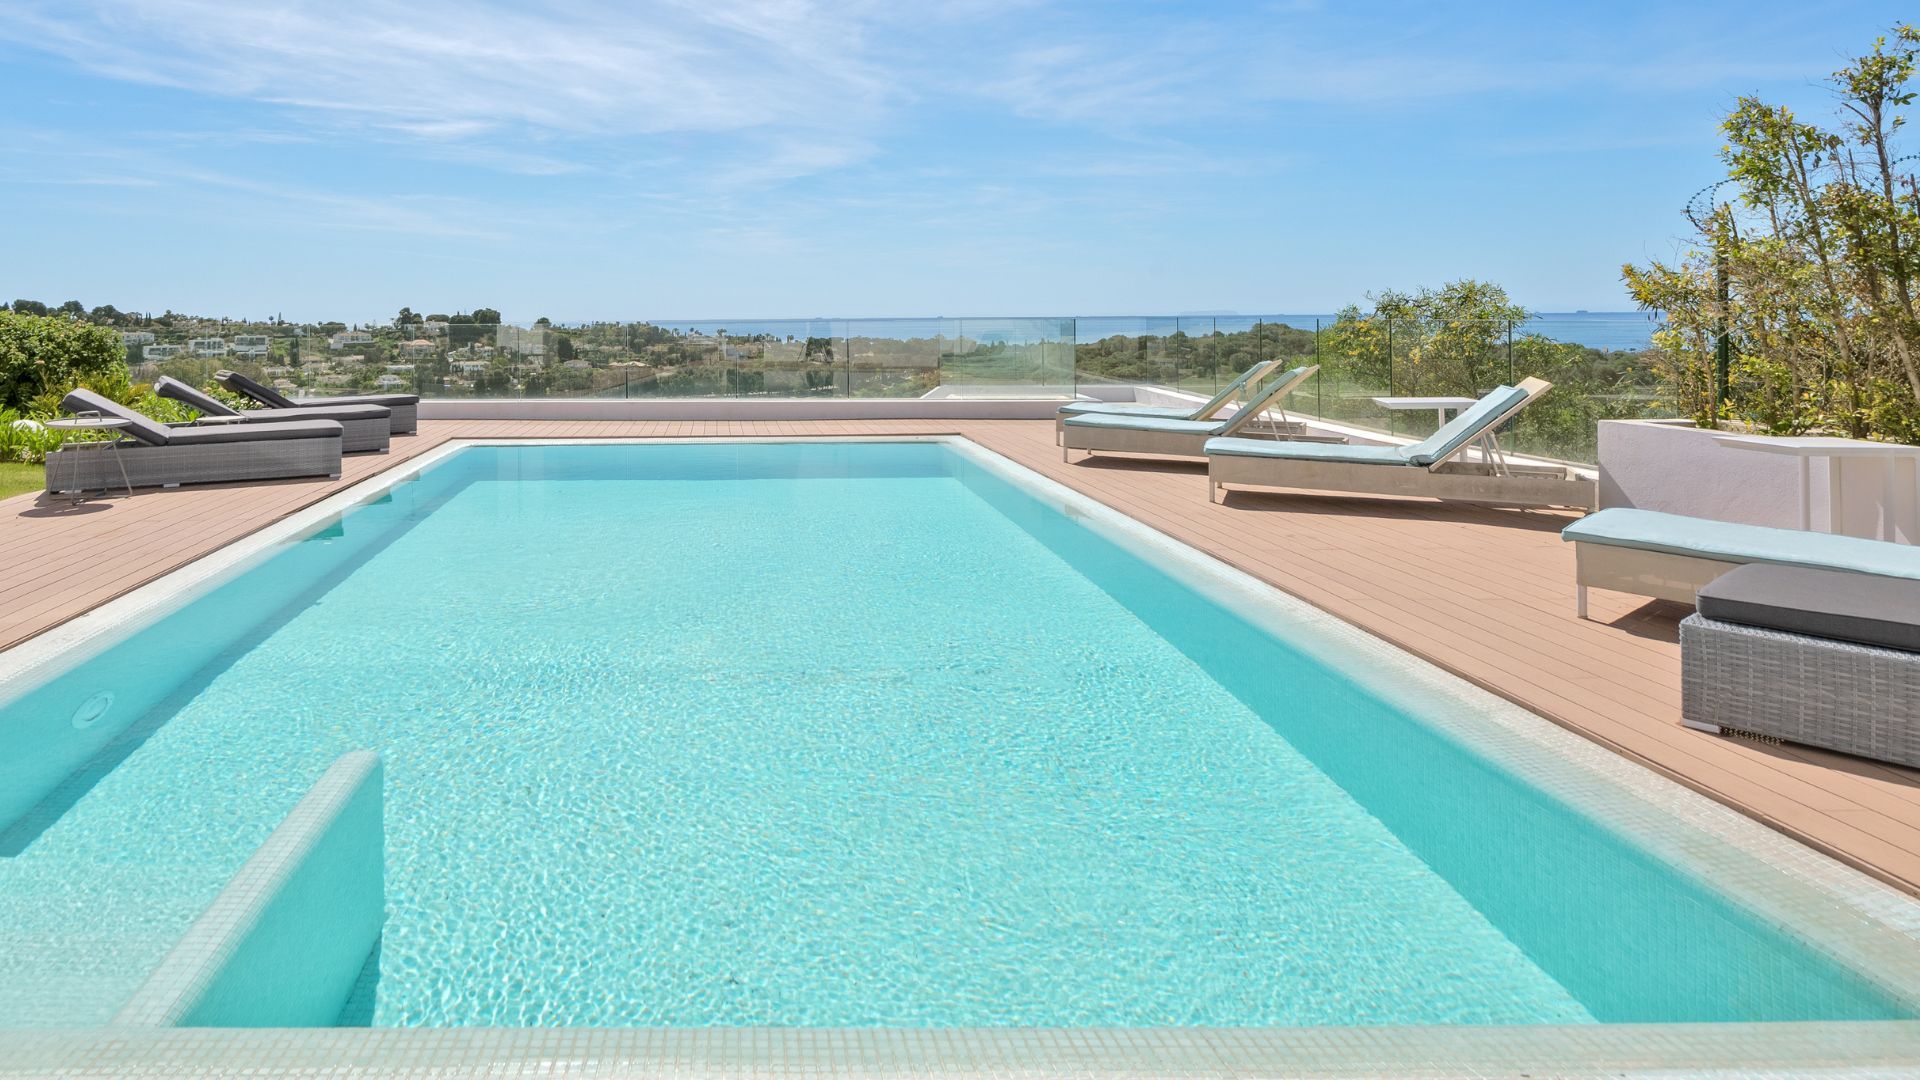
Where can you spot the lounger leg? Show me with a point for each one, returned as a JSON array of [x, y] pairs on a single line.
[[1063, 451], [1580, 600], [1213, 490]]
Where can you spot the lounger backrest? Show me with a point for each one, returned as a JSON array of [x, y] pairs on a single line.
[[245, 387], [1277, 389], [1247, 378], [140, 426], [1473, 422], [169, 387]]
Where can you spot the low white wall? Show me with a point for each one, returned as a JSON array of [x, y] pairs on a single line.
[[1677, 468], [717, 408]]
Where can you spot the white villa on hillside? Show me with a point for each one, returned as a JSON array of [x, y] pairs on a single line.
[[252, 345], [209, 346], [346, 338]]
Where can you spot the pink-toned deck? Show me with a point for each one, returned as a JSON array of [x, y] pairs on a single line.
[[1487, 594]]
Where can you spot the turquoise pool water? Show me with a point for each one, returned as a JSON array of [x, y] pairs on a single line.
[[826, 735]]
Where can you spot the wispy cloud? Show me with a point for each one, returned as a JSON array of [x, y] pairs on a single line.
[[446, 71]]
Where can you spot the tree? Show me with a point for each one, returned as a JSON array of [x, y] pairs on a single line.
[[73, 309], [486, 316], [105, 315], [42, 354], [1819, 258], [406, 318], [29, 307]]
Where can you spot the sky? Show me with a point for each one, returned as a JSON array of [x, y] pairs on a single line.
[[783, 158]]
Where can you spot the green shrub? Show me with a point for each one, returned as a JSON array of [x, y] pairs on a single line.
[[24, 440], [39, 354]]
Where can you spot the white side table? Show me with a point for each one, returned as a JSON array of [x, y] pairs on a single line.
[[95, 423], [1439, 405], [1890, 455]]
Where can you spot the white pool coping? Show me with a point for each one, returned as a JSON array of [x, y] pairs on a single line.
[[1858, 921]]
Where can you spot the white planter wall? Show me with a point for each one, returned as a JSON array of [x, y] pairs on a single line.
[[1677, 468]]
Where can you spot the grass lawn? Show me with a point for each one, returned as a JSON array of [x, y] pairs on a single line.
[[16, 478]]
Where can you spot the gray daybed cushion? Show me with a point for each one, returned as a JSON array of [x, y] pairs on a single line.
[[1833, 604]]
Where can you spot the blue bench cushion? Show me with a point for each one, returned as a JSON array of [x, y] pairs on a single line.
[[1466, 427], [1147, 423], [1306, 451], [1125, 408], [1726, 541]]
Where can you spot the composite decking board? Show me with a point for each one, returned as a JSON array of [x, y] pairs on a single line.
[[1486, 593]]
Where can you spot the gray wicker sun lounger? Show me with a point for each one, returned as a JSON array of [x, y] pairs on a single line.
[[405, 408], [367, 426], [159, 455]]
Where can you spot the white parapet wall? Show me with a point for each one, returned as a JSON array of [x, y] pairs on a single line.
[[1678, 468], [724, 408], [284, 942]]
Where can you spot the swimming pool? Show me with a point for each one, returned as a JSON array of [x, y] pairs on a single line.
[[864, 734]]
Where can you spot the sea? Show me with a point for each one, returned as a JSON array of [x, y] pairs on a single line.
[[1621, 330]]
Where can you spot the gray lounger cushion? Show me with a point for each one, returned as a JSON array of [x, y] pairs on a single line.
[[153, 433], [1727, 541], [385, 401], [267, 395], [169, 387], [140, 426], [209, 405], [243, 433], [1818, 603], [260, 392]]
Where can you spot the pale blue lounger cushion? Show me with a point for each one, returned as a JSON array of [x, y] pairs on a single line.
[[1147, 423], [1466, 427], [1306, 451], [1123, 408], [1726, 541]]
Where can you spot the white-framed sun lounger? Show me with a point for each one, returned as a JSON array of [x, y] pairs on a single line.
[[1672, 556], [1436, 467], [1169, 437], [1205, 410]]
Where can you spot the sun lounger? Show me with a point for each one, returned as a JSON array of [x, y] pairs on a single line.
[[1205, 410], [1670, 556], [367, 427], [159, 455], [404, 408], [1436, 467], [1127, 434]]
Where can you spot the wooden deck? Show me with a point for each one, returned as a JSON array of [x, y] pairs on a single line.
[[1487, 594]]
